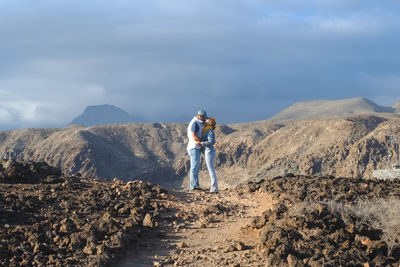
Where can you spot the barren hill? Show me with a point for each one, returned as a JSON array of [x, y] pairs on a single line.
[[348, 146], [331, 108], [101, 115], [145, 151]]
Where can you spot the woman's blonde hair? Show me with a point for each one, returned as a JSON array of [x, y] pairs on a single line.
[[211, 121]]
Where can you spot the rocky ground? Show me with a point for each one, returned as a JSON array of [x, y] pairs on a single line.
[[330, 221], [286, 221], [205, 229], [68, 221], [47, 219]]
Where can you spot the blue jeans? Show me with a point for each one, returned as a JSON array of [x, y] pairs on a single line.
[[194, 167], [210, 158]]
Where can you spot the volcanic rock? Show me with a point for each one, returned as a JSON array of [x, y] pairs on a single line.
[[69, 224], [313, 226], [12, 171]]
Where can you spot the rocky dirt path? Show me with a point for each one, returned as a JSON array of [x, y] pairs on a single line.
[[204, 229]]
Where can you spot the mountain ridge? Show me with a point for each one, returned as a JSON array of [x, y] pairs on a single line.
[[331, 108], [351, 146]]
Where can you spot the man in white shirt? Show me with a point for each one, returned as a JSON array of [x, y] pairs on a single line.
[[194, 133]]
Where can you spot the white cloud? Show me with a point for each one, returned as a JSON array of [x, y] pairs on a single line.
[[5, 116]]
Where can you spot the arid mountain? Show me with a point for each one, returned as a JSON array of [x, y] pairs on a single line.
[[349, 146], [145, 151], [102, 115], [331, 108]]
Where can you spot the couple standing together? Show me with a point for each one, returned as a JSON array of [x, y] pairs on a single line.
[[201, 139]]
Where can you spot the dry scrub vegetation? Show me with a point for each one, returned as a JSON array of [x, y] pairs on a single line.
[[381, 214], [377, 213]]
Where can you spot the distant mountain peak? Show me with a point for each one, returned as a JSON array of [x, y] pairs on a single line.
[[101, 115], [100, 107], [331, 108]]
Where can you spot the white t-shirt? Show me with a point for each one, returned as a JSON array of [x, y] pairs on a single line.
[[195, 124]]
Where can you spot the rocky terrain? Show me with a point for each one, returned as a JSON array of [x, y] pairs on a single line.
[[204, 229], [349, 146], [330, 221], [28, 172], [81, 196], [69, 221], [285, 221]]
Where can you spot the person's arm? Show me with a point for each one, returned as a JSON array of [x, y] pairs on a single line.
[[195, 129], [195, 137], [210, 139]]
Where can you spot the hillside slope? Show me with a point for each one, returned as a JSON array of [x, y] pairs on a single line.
[[330, 108], [146, 151], [351, 146]]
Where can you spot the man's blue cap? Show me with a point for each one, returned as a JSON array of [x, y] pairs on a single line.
[[202, 112]]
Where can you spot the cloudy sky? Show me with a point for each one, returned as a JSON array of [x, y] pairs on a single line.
[[241, 60]]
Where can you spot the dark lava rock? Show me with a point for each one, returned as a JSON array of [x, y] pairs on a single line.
[[317, 234], [28, 172], [74, 222]]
